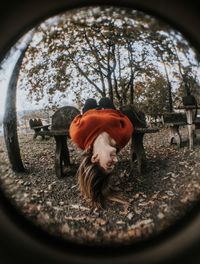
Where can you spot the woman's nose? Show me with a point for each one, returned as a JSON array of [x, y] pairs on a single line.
[[113, 155], [114, 159]]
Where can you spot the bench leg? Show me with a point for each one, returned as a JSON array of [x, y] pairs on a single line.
[[62, 158], [189, 115], [37, 133], [65, 151], [137, 150], [195, 131], [175, 136]]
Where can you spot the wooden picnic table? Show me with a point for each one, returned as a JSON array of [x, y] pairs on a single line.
[[59, 130], [38, 127], [62, 156]]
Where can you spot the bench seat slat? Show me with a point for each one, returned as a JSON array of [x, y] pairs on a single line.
[[39, 127], [175, 123], [54, 133], [146, 130]]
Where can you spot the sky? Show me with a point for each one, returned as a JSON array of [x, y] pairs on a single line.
[[4, 81], [6, 71]]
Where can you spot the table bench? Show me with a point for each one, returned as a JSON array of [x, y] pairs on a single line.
[[174, 121], [62, 156], [59, 130], [38, 127]]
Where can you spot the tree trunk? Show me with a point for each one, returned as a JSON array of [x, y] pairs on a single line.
[[10, 120], [170, 104]]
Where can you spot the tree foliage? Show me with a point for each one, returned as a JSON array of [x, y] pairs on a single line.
[[107, 52]]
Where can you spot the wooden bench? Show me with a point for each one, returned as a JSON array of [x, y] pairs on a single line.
[[174, 121], [61, 121], [38, 127]]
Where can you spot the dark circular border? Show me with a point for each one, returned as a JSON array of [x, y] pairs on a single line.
[[23, 242]]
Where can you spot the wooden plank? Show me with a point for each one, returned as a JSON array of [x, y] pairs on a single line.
[[52, 133], [175, 123], [40, 127], [146, 130]]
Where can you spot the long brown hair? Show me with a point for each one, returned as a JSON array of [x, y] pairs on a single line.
[[94, 182]]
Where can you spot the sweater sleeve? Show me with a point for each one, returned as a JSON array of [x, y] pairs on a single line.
[[84, 129]]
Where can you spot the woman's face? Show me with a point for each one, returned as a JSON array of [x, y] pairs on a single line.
[[108, 159], [105, 153]]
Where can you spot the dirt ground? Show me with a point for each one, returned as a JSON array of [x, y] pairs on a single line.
[[157, 198]]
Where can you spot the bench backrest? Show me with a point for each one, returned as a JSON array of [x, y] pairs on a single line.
[[174, 117], [63, 117], [35, 122], [136, 117]]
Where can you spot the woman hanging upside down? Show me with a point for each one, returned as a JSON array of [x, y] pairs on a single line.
[[101, 131]]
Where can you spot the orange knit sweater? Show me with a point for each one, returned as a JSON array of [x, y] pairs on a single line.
[[85, 128]]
